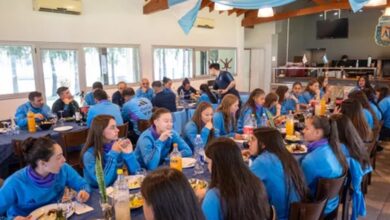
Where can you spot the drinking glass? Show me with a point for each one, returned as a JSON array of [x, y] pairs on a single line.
[[61, 120]]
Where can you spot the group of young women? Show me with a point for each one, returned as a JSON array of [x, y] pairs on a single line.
[[274, 180]]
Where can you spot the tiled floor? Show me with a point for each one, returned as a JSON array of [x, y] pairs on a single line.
[[378, 196]]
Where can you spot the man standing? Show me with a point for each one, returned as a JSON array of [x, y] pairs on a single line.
[[65, 103], [162, 98], [224, 83], [36, 105], [117, 97], [103, 107], [144, 91]]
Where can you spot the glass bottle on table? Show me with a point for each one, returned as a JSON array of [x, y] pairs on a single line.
[[290, 124], [175, 158], [322, 107], [121, 197]]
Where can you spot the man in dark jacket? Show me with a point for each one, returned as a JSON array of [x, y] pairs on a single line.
[[117, 97], [164, 98], [224, 83], [65, 103]]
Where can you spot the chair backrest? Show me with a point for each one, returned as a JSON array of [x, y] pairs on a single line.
[[273, 213], [307, 211], [74, 138], [143, 125], [123, 130], [330, 188], [17, 147], [1, 182]]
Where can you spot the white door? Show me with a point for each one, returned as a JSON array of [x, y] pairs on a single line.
[[257, 68]]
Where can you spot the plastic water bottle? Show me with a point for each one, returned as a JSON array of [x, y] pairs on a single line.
[[264, 120], [250, 125], [182, 99], [199, 155], [121, 197]]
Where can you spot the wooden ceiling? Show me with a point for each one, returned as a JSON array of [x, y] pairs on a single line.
[[250, 16]]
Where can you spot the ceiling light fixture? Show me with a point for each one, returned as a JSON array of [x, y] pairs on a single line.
[[265, 12]]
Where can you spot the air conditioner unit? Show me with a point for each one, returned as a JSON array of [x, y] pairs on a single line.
[[204, 23], [73, 7]]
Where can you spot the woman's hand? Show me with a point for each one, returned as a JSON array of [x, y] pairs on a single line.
[[209, 125], [23, 218], [200, 193], [165, 135], [82, 196], [116, 147], [126, 146]]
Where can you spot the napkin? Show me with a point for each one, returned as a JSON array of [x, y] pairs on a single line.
[[81, 208]]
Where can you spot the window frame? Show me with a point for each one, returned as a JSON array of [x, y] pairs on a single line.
[[78, 47], [194, 49]]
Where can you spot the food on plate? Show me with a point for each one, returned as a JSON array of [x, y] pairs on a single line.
[[134, 182], [293, 138], [296, 148], [136, 201], [198, 184], [52, 214]]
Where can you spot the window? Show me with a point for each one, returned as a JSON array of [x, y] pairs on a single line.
[[16, 69], [178, 63], [174, 63], [60, 68], [204, 57], [111, 65]]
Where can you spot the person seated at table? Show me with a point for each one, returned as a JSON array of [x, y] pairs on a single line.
[[324, 158], [272, 105], [89, 99], [162, 98], [206, 95], [201, 123], [35, 104], [234, 191], [369, 113], [358, 159], [41, 182], [144, 91], [287, 101], [323, 82], [373, 100], [103, 107], [254, 105], [167, 83], [362, 83], [102, 141], [65, 103], [134, 111], [384, 106], [297, 90], [224, 119], [224, 83], [278, 169], [354, 110], [311, 93], [174, 193], [381, 92], [187, 90], [117, 97], [155, 143]]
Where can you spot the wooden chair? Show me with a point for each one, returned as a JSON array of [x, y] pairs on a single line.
[[18, 152], [307, 211], [330, 188], [372, 150], [71, 143], [123, 130], [143, 125], [1, 182], [273, 213]]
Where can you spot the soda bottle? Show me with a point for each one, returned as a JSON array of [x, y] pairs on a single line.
[[31, 122], [175, 158]]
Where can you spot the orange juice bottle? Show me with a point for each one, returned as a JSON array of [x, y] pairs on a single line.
[[31, 122], [290, 124], [323, 106], [175, 158]]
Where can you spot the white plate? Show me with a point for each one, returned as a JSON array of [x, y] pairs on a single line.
[[63, 128], [238, 140], [188, 162], [40, 211], [3, 130], [134, 181]]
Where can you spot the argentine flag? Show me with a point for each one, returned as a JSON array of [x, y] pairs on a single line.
[[186, 11]]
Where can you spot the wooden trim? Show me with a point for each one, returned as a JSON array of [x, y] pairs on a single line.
[[204, 4], [155, 6]]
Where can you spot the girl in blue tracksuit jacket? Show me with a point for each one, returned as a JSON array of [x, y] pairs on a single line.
[[254, 105], [102, 141], [155, 143], [41, 182], [225, 118]]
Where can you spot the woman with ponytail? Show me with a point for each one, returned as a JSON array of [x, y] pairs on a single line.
[[41, 182], [324, 158]]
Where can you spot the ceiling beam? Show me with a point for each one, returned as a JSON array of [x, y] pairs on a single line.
[[240, 12], [155, 6], [205, 3], [251, 20], [232, 11]]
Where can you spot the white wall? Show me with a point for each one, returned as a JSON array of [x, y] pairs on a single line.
[[115, 22], [262, 37]]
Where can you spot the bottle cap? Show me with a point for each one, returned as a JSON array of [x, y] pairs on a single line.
[[119, 171], [174, 144]]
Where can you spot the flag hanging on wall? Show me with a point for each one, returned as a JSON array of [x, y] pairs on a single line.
[[186, 11], [382, 31]]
